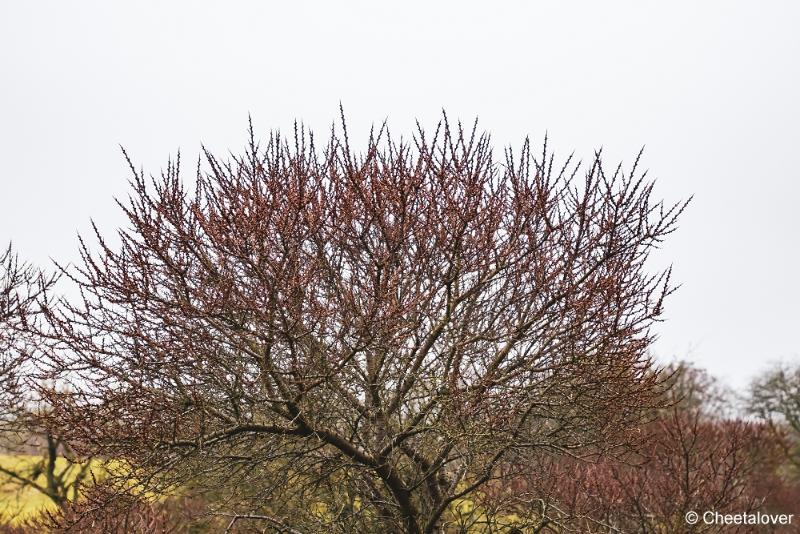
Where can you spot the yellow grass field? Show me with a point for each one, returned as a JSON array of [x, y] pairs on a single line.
[[18, 503]]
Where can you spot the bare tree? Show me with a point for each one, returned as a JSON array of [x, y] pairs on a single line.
[[700, 457], [775, 398], [56, 474], [332, 341], [697, 456], [20, 285]]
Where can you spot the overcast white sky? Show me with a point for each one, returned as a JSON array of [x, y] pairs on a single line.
[[711, 88]]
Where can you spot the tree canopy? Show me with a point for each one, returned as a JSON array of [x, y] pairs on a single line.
[[375, 334]]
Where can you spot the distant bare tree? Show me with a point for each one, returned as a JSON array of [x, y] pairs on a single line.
[[775, 398], [696, 456], [340, 342], [20, 285], [700, 457], [22, 290]]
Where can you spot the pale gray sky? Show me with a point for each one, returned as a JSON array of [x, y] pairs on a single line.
[[712, 89]]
